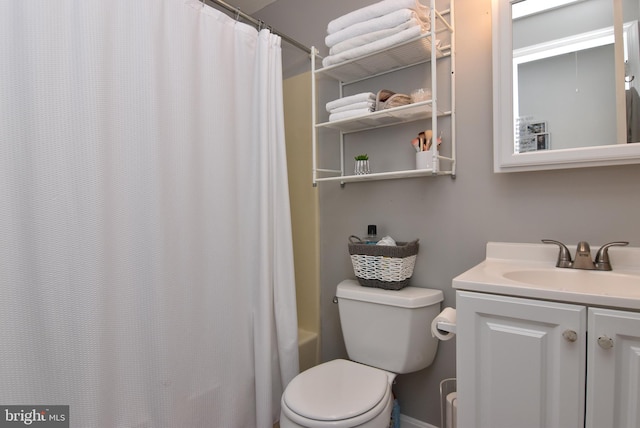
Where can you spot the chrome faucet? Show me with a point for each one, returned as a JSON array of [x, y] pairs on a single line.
[[582, 258]]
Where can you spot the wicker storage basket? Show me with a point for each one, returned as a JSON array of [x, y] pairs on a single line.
[[382, 266]]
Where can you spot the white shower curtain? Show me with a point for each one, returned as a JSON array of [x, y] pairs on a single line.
[[146, 265]]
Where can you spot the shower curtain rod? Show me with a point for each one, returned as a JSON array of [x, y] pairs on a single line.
[[260, 24]]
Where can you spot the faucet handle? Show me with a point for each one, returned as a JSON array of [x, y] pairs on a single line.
[[602, 256], [564, 256]]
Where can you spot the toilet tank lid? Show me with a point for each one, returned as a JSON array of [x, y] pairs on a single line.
[[408, 297]]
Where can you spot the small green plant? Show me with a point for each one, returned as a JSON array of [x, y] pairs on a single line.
[[362, 157]]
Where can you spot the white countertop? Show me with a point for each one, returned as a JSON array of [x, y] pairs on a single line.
[[528, 270]]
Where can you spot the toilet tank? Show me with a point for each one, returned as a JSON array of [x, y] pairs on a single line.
[[389, 329]]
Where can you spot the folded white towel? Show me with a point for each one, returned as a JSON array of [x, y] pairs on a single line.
[[372, 11], [371, 37], [403, 36], [341, 102], [355, 106], [389, 20], [349, 114]]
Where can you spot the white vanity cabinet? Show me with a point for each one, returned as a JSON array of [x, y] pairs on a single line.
[[521, 362], [525, 362], [613, 369]]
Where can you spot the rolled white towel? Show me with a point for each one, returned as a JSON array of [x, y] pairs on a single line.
[[341, 102], [383, 22], [349, 114], [371, 37], [355, 106], [369, 12]]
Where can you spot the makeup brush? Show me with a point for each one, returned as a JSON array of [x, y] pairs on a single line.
[[416, 144], [428, 135]]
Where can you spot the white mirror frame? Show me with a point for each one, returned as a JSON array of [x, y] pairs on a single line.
[[504, 158]]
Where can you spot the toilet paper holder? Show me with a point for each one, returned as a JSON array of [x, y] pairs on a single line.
[[448, 403], [444, 325], [449, 327]]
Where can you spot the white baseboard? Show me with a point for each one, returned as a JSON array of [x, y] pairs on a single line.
[[409, 422]]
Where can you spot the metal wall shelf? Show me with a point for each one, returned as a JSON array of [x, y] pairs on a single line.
[[409, 173], [407, 54], [382, 118], [421, 50]]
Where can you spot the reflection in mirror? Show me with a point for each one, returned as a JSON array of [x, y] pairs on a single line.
[[566, 83], [564, 89]]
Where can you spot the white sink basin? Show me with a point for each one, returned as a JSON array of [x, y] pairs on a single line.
[[528, 270], [580, 281]]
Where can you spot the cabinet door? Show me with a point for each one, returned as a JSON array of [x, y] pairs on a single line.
[[613, 372], [520, 362]]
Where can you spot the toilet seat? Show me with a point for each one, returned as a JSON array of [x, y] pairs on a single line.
[[337, 393]]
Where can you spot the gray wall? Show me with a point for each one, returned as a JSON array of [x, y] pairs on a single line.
[[454, 218]]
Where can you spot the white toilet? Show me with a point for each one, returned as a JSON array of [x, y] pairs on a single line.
[[386, 332]]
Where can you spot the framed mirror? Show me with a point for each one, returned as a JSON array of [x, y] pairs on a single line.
[[566, 78]]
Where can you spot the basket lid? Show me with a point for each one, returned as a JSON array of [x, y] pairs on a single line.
[[408, 297]]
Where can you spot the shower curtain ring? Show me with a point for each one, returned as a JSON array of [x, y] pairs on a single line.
[[237, 14]]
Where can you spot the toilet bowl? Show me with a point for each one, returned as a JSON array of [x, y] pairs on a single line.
[[386, 332], [338, 394]]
